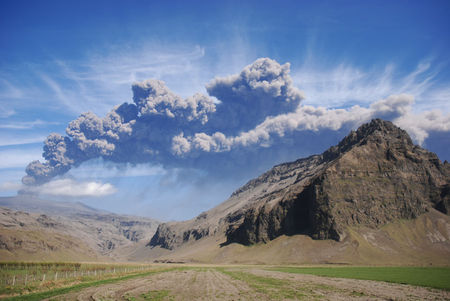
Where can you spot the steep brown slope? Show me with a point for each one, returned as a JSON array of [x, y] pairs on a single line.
[[424, 240], [68, 231], [216, 220], [373, 177], [32, 236]]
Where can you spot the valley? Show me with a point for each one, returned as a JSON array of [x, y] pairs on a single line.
[[34, 229]]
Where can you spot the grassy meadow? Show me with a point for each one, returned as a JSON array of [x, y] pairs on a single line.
[[35, 281], [27, 277], [435, 277]]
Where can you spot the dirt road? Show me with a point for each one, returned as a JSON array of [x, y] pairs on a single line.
[[250, 284]]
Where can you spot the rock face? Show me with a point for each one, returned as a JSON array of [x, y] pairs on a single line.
[[374, 176]]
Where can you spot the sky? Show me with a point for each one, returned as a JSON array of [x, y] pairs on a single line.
[[164, 108]]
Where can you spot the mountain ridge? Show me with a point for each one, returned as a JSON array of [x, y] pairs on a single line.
[[374, 176], [31, 203], [374, 198], [32, 228]]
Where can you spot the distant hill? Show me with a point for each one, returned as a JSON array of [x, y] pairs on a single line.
[[35, 229], [373, 198], [30, 203]]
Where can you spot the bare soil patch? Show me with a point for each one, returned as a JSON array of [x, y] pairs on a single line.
[[239, 283]]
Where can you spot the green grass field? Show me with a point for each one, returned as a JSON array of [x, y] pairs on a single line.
[[79, 286], [435, 277], [27, 277]]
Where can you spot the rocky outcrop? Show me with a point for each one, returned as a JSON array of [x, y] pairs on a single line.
[[374, 176], [168, 238]]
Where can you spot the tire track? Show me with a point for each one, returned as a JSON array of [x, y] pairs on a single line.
[[192, 284]]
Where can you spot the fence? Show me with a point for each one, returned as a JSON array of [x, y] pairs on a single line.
[[34, 275]]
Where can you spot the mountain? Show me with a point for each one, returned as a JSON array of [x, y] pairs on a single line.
[[35, 229], [375, 198], [30, 203], [352, 194]]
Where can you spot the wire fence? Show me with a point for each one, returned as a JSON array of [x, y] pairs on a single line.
[[13, 275]]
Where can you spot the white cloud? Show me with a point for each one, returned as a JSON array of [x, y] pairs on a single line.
[[397, 108], [420, 125], [71, 188], [344, 85]]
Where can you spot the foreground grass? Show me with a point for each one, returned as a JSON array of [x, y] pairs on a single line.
[[435, 277], [80, 286], [22, 277], [275, 289]]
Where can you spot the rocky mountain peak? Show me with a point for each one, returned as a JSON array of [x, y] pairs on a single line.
[[374, 176], [380, 126], [377, 131]]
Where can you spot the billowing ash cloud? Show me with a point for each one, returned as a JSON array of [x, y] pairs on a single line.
[[395, 107], [262, 89], [153, 99], [245, 117]]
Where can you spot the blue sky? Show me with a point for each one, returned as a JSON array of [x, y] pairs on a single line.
[[59, 59]]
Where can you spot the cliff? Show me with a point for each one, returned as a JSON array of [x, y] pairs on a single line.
[[374, 176]]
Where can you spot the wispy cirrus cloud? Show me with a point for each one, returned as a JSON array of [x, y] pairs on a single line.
[[6, 112], [21, 140], [66, 97], [122, 68], [25, 125], [97, 81], [8, 90], [101, 81], [344, 85]]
